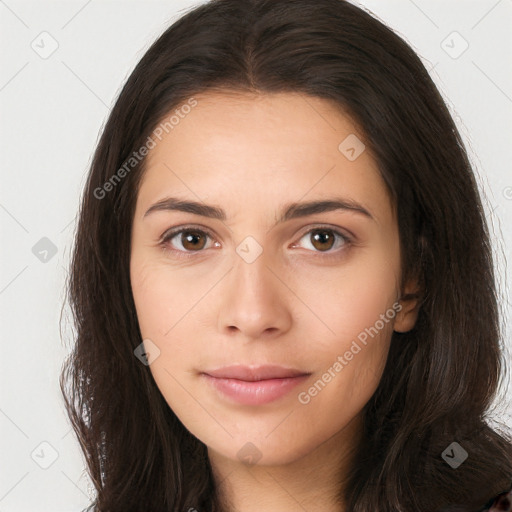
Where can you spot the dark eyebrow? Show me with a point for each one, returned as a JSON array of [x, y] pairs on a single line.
[[290, 211]]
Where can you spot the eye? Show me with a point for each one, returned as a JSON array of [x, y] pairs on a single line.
[[323, 239], [186, 240]]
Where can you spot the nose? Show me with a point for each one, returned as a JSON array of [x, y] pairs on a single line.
[[255, 300]]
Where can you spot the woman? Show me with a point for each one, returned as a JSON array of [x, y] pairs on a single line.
[[282, 279]]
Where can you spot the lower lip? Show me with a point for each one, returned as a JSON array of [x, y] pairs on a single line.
[[256, 392]]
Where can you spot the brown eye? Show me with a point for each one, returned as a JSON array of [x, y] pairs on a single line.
[[325, 240], [193, 240], [186, 240], [322, 239]]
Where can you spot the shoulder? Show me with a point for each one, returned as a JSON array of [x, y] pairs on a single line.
[[501, 503]]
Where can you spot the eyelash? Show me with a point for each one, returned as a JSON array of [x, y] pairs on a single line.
[[169, 235]]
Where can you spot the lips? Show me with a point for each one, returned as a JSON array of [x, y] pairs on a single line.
[[251, 374], [258, 385]]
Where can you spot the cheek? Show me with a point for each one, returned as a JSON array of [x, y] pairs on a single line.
[[162, 296], [168, 302], [356, 315], [151, 298], [160, 304], [349, 300]]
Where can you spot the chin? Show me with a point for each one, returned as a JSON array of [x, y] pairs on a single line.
[[258, 451]]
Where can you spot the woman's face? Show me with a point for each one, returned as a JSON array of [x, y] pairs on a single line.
[[250, 281]]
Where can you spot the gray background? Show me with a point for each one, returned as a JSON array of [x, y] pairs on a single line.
[[53, 106]]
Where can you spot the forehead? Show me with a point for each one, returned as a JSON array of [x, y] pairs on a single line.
[[259, 149], [303, 125]]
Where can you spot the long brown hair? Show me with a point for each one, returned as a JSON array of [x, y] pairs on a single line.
[[441, 377]]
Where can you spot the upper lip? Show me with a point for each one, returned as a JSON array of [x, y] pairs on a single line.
[[253, 373]]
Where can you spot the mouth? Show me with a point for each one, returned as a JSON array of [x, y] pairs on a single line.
[[254, 385]]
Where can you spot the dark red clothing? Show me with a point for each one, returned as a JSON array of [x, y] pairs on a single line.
[[502, 503]]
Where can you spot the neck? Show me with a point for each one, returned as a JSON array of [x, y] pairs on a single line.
[[314, 482]]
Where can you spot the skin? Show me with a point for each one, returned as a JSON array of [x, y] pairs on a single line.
[[299, 304]]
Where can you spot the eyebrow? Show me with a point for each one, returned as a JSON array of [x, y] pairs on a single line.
[[290, 211]]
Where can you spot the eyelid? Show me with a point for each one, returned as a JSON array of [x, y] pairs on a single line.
[[170, 233], [344, 233]]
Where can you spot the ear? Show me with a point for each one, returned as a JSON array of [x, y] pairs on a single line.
[[409, 307]]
